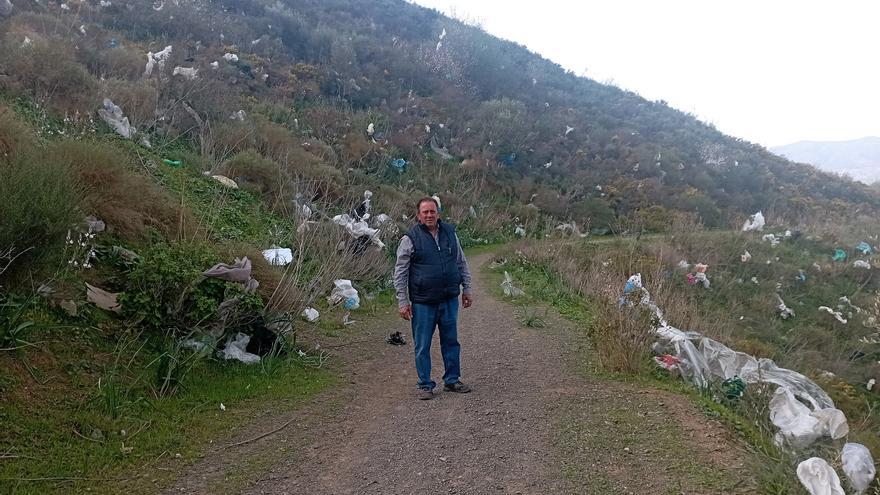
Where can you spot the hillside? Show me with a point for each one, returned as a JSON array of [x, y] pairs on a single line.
[[857, 158]]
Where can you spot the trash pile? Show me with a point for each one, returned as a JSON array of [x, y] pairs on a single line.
[[509, 289], [801, 410]]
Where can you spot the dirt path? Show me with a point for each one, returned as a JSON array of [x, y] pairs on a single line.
[[532, 425]]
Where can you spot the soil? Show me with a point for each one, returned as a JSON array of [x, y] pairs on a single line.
[[535, 423]]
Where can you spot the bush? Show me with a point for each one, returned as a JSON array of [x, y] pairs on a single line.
[[167, 290], [129, 202], [15, 137], [39, 202]]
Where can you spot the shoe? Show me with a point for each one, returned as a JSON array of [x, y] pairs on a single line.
[[458, 387], [426, 394]]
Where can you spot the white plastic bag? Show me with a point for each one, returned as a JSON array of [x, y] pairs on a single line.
[[236, 348], [509, 289], [345, 293], [819, 478], [755, 222], [858, 465], [310, 314], [278, 256]]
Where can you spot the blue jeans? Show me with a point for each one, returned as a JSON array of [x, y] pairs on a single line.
[[425, 317]]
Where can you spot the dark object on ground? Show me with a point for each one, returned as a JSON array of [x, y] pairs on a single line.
[[263, 341], [856, 355], [458, 387], [396, 339]]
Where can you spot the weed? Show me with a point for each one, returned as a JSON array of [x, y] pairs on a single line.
[[532, 318]]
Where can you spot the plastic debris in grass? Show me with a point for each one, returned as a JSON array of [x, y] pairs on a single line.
[[362, 211], [733, 388], [215, 65], [156, 60], [278, 256], [311, 314], [870, 385], [508, 287], [520, 231], [112, 115], [755, 222], [818, 477], [745, 257], [360, 230], [441, 151], [103, 299], [865, 248], [858, 466], [172, 163], [238, 272], [684, 265], [800, 426], [230, 57], [836, 314], [344, 293], [839, 255], [784, 311], [398, 164], [188, 73], [861, 264], [801, 276], [667, 361], [236, 348], [772, 239], [226, 181]]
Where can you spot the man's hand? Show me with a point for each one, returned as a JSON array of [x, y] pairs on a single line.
[[405, 312], [466, 300]]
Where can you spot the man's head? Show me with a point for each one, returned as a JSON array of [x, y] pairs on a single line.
[[427, 212]]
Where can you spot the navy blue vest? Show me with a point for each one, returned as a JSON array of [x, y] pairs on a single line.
[[433, 272]]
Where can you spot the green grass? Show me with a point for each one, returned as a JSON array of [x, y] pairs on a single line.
[[156, 430]]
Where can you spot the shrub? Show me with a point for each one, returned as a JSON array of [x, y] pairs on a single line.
[[129, 202], [167, 290], [137, 99], [15, 137], [39, 202]]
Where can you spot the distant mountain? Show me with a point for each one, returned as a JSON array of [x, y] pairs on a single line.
[[859, 158]]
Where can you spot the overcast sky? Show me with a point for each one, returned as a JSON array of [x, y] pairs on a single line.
[[772, 71]]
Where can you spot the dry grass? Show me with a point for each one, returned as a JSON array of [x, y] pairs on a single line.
[[130, 203]]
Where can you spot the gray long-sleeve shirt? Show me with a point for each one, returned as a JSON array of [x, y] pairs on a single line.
[[401, 270]]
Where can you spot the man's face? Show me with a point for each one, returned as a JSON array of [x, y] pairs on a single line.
[[428, 214]]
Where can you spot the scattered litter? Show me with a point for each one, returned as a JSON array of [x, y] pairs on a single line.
[[498, 262], [395, 339], [440, 150], [772, 239], [230, 57], [784, 311], [189, 73], [870, 385], [172, 163], [733, 388], [754, 280], [817, 266], [226, 181], [215, 65], [861, 264], [278, 256], [239, 116], [837, 314], [858, 465], [398, 164], [222, 407], [359, 230], [346, 319], [844, 304], [801, 276], [239, 272], [865, 248], [819, 478], [156, 60], [755, 222], [668, 361], [520, 231], [509, 289], [745, 257], [112, 115], [568, 129], [839, 255], [310, 314], [800, 426], [344, 292], [103, 299], [236, 348], [684, 265]]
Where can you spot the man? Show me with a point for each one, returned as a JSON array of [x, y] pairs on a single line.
[[430, 271]]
